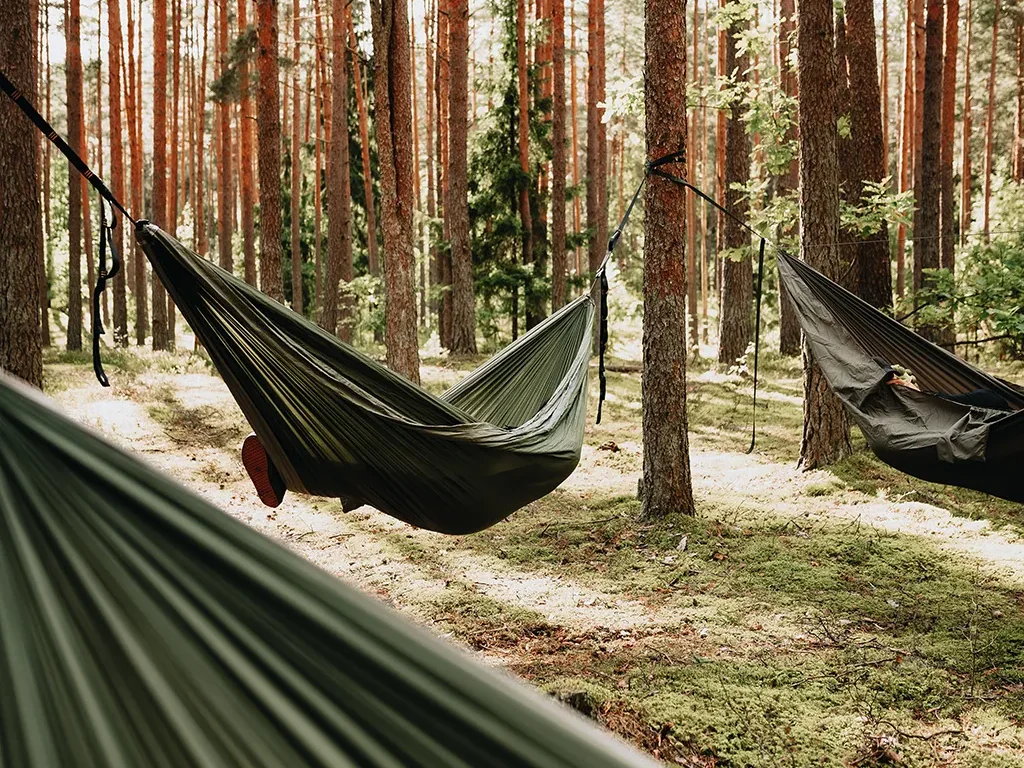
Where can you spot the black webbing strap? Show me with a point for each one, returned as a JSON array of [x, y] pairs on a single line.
[[102, 276], [105, 194], [653, 168], [47, 130]]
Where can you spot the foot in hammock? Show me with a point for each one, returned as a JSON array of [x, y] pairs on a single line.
[[264, 475]]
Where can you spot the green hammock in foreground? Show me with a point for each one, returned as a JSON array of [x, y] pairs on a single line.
[[338, 424], [140, 626]]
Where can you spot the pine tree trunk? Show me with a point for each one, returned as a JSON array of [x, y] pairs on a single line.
[[574, 120], [172, 183], [373, 258], [268, 126], [927, 237], [47, 266], [73, 76], [246, 180], [392, 82], [117, 165], [826, 437], [692, 280], [736, 326], [160, 207], [965, 145], [920, 46], [884, 86], [789, 182], [867, 145], [906, 158], [947, 209], [1018, 123], [134, 97], [337, 311], [558, 148], [597, 183], [202, 246], [524, 134], [225, 215], [444, 261], [296, 170], [318, 304], [703, 150], [416, 176], [457, 204], [428, 90], [21, 223], [666, 487]]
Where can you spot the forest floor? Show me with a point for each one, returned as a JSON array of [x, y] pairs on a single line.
[[856, 617]]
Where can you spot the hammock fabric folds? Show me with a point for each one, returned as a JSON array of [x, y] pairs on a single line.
[[143, 627], [338, 424], [919, 433]]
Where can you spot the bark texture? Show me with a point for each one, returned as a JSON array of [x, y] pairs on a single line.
[[826, 434], [597, 142], [558, 149], [225, 209], [268, 122], [789, 182], [21, 223], [296, 170], [246, 181], [457, 204], [160, 208], [666, 486], [73, 35], [965, 141], [392, 83], [927, 236], [947, 202], [117, 166]]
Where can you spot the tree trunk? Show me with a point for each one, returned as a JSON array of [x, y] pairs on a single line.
[[597, 145], [947, 209], [296, 171], [21, 224], [1018, 123], [173, 179], [736, 326], [73, 33], [268, 123], [392, 81], [666, 486], [867, 145], [444, 261], [692, 280], [524, 134], [117, 165], [318, 304], [428, 71], [789, 182], [884, 86], [339, 190], [920, 46], [558, 147], [574, 120], [134, 98], [200, 151], [225, 215], [826, 437], [47, 265], [416, 176], [364, 139], [245, 170], [965, 145], [906, 158], [927, 237], [457, 204]]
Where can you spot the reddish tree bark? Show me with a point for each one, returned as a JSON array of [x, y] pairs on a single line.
[[597, 142], [947, 203], [246, 181], [558, 249], [919, 106], [906, 157], [160, 207], [73, 76], [524, 137], [927, 236], [134, 107], [268, 125], [117, 165], [296, 169], [965, 145], [364, 139], [789, 182], [225, 214]]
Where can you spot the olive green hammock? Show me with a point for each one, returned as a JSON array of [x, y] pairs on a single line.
[[336, 423], [140, 626]]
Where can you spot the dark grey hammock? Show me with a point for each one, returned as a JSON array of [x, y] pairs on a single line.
[[336, 423], [920, 433], [140, 626]]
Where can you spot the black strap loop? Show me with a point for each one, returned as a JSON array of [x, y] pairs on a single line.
[[102, 276]]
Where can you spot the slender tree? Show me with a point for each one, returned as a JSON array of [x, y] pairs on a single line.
[[160, 207], [789, 181], [339, 190], [920, 52], [296, 169], [73, 76], [524, 138], [884, 87], [372, 256], [444, 261], [736, 326], [947, 206], [246, 180], [318, 305], [867, 150], [268, 126], [597, 144], [574, 121], [200, 150], [558, 148], [428, 91], [172, 188], [117, 164], [392, 81], [1018, 119], [665, 488], [225, 209], [133, 99], [965, 145], [21, 223], [906, 156], [826, 436]]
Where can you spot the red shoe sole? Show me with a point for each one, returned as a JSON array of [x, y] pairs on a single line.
[[257, 464]]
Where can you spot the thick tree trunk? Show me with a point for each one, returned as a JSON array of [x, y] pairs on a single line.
[[338, 310], [789, 182], [558, 149], [296, 170], [736, 326], [826, 437], [392, 81], [666, 486], [457, 204], [134, 97], [268, 126], [73, 76], [117, 165], [927, 237], [965, 145], [225, 212], [947, 207], [372, 255], [246, 182], [21, 223], [867, 145]]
